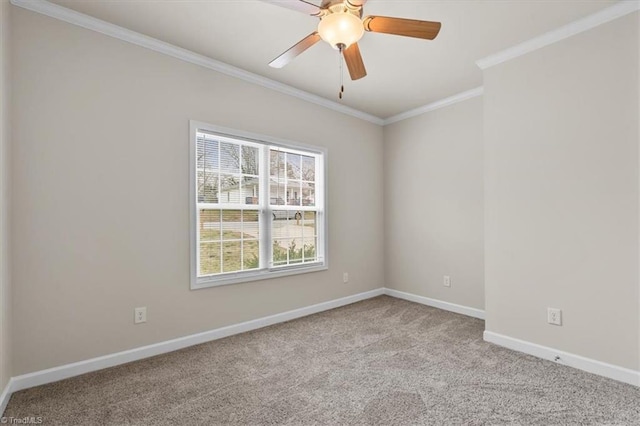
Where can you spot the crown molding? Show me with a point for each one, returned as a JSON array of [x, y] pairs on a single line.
[[463, 96], [64, 14], [618, 10], [85, 21]]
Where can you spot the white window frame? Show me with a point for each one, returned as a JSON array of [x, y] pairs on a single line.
[[266, 271]]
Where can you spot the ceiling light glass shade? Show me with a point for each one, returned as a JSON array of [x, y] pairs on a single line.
[[341, 28]]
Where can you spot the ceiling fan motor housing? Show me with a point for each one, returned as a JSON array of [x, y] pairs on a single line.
[[340, 25], [354, 5]]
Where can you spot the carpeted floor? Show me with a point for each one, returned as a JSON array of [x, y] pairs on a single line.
[[383, 361]]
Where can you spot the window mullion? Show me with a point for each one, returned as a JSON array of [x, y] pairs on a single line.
[[320, 232], [285, 177], [198, 225], [265, 212]]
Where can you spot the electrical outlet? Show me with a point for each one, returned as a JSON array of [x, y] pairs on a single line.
[[345, 277], [447, 281], [140, 315], [554, 316]]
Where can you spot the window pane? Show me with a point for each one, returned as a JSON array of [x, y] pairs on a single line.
[[207, 187], [231, 256], [250, 187], [207, 153], [250, 224], [209, 225], [250, 160], [281, 251], [294, 192], [229, 157], [229, 189], [231, 224], [209, 258], [309, 224], [293, 166], [308, 168], [295, 251], [308, 194], [296, 229], [310, 249], [276, 164], [279, 227], [277, 192], [251, 254]]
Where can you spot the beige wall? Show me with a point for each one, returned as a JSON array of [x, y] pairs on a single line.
[[5, 134], [101, 205], [434, 204], [561, 137]]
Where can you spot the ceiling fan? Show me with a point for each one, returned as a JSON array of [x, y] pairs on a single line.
[[341, 25]]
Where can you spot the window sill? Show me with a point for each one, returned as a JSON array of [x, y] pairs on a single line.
[[207, 282]]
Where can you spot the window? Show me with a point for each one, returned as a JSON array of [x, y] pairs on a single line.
[[257, 207]]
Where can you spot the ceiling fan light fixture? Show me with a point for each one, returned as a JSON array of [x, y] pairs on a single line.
[[340, 28]]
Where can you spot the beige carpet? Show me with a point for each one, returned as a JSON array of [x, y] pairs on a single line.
[[383, 361]]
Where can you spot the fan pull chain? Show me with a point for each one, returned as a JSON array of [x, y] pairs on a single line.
[[341, 65]]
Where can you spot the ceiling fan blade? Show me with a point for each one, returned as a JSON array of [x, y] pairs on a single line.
[[295, 50], [298, 5], [354, 62], [403, 27]]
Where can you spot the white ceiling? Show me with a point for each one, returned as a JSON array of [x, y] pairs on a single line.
[[403, 73]]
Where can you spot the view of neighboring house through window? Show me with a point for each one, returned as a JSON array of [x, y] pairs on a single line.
[[258, 209]]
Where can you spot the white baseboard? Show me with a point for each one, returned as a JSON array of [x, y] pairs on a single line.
[[600, 368], [5, 395], [452, 307], [77, 368]]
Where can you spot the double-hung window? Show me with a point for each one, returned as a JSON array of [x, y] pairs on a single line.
[[257, 207]]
